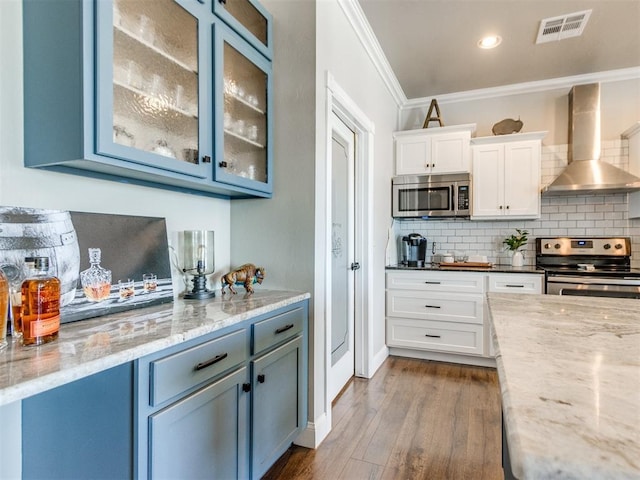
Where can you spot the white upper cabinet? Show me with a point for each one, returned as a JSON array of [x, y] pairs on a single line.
[[633, 135], [506, 176], [433, 150]]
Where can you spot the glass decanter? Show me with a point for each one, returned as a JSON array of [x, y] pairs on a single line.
[[96, 281]]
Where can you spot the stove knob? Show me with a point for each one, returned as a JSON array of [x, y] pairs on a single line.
[[607, 246], [547, 246], [557, 246], [618, 246]]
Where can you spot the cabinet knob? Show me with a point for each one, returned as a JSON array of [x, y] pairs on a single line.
[[261, 378], [246, 387], [223, 164], [224, 2], [507, 207], [206, 159], [500, 207]]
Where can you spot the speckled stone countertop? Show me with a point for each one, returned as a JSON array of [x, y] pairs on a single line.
[[493, 269], [569, 370], [91, 346]]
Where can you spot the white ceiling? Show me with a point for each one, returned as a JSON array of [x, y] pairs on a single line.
[[431, 45]]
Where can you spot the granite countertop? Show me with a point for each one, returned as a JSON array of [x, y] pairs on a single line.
[[569, 370], [492, 269], [91, 346]]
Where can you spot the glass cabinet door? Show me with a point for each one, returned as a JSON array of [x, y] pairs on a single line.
[[249, 19], [149, 85], [244, 145]]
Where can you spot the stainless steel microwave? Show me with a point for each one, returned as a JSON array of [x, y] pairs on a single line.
[[431, 195]]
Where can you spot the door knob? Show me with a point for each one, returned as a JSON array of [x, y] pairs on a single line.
[[355, 266]]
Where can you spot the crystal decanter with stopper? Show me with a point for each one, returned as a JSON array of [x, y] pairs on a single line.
[[95, 280]]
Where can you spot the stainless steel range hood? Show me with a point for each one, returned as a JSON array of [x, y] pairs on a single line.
[[586, 173]]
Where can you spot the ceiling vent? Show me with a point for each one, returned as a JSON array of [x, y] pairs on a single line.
[[565, 26]]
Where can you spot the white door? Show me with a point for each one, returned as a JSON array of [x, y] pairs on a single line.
[[343, 264]]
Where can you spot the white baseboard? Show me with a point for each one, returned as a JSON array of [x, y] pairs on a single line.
[[444, 357], [377, 361], [315, 433]]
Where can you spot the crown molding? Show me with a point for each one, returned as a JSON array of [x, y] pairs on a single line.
[[361, 27], [527, 87]]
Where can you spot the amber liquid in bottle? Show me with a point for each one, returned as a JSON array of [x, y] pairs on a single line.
[[40, 306]]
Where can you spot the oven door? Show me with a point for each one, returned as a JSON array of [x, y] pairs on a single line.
[[424, 200], [593, 286]]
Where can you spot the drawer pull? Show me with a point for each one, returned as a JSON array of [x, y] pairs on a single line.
[[514, 286], [432, 336], [285, 328], [210, 362], [432, 306], [432, 283], [261, 378]]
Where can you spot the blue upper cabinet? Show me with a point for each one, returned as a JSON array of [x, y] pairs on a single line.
[[160, 93], [250, 19], [243, 146]]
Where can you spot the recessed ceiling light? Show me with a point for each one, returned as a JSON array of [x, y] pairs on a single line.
[[491, 41]]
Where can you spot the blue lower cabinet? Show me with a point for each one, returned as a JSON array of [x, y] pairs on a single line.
[[276, 412], [208, 408], [204, 435], [83, 429]]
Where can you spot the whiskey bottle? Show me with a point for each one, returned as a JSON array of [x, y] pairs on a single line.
[[40, 305], [95, 280], [4, 309]]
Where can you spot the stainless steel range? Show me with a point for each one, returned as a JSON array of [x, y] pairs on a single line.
[[588, 266]]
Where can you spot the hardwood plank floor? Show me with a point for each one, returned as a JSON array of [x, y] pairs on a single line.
[[415, 419]]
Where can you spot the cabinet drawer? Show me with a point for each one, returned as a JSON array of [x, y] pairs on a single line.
[[446, 307], [177, 373], [275, 330], [516, 283], [431, 335], [434, 281]]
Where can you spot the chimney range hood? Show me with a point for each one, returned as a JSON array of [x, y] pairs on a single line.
[[586, 173]]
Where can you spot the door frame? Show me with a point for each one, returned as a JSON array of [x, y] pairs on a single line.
[[347, 110]]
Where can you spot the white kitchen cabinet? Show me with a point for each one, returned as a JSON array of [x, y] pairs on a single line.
[[633, 135], [432, 311], [433, 150], [530, 283], [527, 283], [506, 176]]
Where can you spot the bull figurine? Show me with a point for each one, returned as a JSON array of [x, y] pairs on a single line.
[[246, 275]]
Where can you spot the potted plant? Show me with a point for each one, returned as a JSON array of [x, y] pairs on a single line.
[[513, 243]]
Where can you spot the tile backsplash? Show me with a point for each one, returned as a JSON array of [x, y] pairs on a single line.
[[575, 215]]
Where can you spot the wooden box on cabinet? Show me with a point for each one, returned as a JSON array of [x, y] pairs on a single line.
[[433, 150], [138, 91], [506, 176]]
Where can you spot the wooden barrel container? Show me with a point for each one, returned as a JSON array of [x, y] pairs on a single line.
[[32, 232]]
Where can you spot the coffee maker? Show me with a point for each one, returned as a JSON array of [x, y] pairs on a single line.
[[414, 250]]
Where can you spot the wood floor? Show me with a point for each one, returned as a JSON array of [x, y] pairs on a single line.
[[415, 419]]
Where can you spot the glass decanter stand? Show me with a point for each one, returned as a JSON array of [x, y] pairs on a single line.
[[96, 281]]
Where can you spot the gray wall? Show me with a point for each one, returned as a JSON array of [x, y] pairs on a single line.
[[279, 233]]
